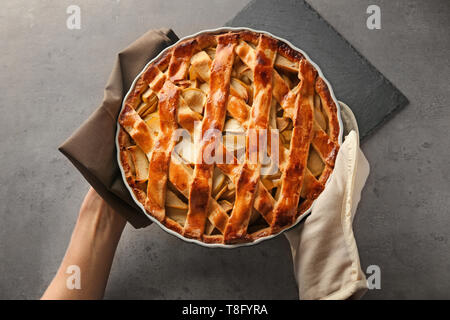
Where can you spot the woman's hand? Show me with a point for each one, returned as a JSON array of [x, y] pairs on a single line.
[[84, 271]]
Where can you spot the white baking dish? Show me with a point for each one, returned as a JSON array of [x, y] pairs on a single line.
[[215, 245]]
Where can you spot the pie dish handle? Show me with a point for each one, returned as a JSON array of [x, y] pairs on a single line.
[[348, 118]]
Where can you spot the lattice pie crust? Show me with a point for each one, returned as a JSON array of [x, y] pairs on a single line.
[[234, 82]]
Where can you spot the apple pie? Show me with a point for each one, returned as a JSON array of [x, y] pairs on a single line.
[[228, 137]]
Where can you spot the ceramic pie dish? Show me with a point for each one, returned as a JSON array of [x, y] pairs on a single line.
[[227, 137]]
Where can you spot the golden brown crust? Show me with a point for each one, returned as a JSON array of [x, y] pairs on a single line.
[[215, 111], [206, 219], [292, 179], [247, 182]]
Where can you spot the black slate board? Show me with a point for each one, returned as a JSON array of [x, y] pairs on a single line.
[[355, 81]]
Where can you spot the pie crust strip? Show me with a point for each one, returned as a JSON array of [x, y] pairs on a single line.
[[136, 128], [215, 112], [312, 187], [293, 176], [248, 180], [158, 166], [169, 100]]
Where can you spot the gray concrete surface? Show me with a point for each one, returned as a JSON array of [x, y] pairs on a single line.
[[52, 78]]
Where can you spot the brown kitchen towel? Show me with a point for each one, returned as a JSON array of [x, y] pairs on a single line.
[[92, 147]]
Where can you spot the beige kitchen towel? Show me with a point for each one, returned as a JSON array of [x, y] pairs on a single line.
[[92, 147], [324, 251]]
